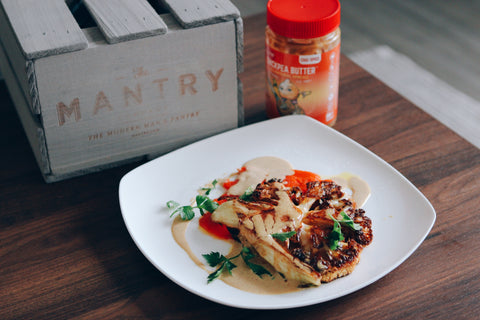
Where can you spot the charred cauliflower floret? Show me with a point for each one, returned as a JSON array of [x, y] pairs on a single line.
[[330, 232]]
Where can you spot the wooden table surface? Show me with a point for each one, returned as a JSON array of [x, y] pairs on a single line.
[[65, 252]]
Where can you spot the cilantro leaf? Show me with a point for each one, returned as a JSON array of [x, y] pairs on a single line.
[[247, 253], [335, 236], [259, 270], [205, 203], [214, 275], [172, 204], [187, 213], [213, 258], [247, 195], [208, 190], [226, 265], [349, 222], [229, 265], [283, 236]]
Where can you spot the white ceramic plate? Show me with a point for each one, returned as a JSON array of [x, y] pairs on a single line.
[[402, 217]]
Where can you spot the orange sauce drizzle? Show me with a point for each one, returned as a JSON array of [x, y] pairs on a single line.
[[300, 179], [215, 229]]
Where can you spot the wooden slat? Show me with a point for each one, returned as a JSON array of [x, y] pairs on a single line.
[[240, 46], [123, 20], [17, 61], [44, 27], [194, 13], [33, 131]]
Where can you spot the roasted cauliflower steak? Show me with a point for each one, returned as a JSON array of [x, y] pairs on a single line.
[[307, 256]]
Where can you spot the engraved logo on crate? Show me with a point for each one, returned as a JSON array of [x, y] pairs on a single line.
[[186, 83]]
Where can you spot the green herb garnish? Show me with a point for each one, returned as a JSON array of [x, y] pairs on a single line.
[[336, 235], [186, 212], [247, 255], [208, 190], [247, 195], [283, 236], [215, 259], [346, 220], [172, 204], [203, 204]]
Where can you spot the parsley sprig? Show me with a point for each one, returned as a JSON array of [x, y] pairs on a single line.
[[283, 236], [247, 195], [203, 204], [336, 235], [209, 189], [225, 264], [248, 255], [216, 259]]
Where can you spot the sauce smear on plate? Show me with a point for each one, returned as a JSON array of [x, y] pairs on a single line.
[[252, 173]]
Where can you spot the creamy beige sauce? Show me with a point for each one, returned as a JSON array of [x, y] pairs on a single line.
[[256, 171], [242, 278], [259, 169], [360, 190], [179, 227]]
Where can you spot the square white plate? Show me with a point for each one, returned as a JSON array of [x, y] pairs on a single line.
[[401, 216]]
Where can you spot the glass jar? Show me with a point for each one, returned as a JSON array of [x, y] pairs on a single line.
[[303, 58]]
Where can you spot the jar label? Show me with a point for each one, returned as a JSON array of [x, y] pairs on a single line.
[[303, 84]]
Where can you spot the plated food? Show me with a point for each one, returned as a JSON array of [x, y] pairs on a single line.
[[288, 229], [402, 217]]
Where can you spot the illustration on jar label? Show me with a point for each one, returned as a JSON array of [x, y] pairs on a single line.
[[303, 84], [286, 96]]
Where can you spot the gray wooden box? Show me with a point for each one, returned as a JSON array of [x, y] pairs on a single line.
[[139, 84]]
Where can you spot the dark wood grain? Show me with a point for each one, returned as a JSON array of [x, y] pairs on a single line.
[[65, 251]]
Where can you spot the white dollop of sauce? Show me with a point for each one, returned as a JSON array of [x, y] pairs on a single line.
[[359, 188], [259, 169]]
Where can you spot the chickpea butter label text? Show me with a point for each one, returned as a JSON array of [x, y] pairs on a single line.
[[290, 69]]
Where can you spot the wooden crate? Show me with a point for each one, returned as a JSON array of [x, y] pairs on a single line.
[[138, 84]]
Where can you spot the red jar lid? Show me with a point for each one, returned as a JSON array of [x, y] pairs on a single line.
[[302, 19]]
